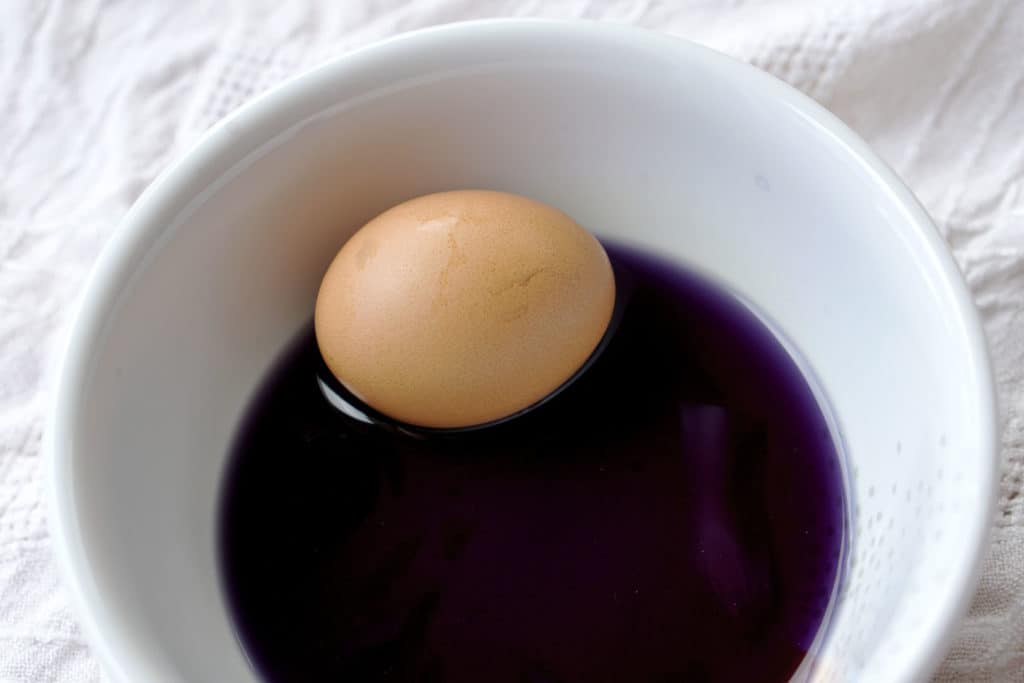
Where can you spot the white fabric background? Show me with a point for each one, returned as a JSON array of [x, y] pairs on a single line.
[[98, 96]]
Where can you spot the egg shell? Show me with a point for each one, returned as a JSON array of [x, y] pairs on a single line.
[[461, 308]]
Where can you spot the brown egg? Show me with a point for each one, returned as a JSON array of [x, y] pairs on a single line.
[[460, 308]]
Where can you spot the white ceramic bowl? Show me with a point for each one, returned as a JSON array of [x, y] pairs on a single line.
[[644, 138]]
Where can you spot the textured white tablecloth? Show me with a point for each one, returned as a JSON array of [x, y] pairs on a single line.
[[98, 96]]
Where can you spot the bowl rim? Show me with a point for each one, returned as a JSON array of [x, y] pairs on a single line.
[[189, 177]]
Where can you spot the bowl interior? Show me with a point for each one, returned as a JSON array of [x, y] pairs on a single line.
[[644, 139]]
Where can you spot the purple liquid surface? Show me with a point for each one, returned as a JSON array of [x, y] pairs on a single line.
[[676, 514]]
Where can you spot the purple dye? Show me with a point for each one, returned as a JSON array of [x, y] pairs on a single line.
[[676, 514]]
